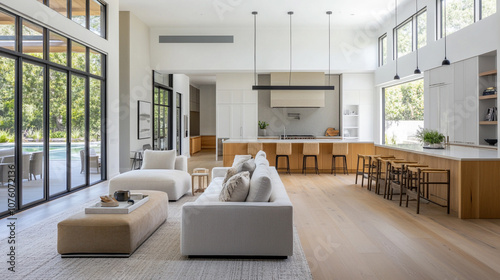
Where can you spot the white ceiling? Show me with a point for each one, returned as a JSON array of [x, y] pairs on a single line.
[[237, 13]]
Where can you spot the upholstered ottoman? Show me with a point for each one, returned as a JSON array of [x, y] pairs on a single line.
[[118, 235], [174, 182]]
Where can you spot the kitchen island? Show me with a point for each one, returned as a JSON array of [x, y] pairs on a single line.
[[475, 176], [355, 147]]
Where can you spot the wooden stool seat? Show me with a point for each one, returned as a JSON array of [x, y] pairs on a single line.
[[339, 150], [310, 150], [283, 150]]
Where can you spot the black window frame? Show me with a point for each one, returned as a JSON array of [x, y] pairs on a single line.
[[21, 58]]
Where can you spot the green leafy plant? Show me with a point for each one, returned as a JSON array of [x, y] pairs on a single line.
[[429, 136], [58, 134], [35, 134], [6, 136], [263, 124]]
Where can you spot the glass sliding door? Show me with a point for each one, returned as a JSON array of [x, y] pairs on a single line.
[[7, 131], [32, 187], [162, 120], [95, 130], [78, 155], [58, 100]]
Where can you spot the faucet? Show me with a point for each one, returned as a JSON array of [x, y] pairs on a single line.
[[284, 132]]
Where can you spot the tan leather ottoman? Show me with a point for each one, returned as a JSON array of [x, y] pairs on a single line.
[[111, 235]]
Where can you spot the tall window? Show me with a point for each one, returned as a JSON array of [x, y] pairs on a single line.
[[403, 112], [90, 14], [462, 13], [411, 34], [382, 46], [178, 114], [404, 38], [60, 108]]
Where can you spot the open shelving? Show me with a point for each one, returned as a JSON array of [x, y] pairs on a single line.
[[487, 78]]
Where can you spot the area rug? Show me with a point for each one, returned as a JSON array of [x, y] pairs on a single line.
[[158, 257]]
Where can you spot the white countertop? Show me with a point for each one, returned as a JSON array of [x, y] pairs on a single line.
[[452, 152], [318, 140]]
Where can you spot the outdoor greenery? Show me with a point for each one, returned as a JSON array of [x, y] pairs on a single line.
[[33, 77], [405, 102], [460, 13]]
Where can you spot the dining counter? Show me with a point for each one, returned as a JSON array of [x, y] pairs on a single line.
[[474, 176]]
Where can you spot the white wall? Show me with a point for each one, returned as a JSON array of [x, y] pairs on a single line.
[[207, 110], [45, 16], [352, 50], [181, 85], [135, 83]]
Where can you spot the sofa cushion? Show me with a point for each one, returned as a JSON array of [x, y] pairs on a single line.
[[260, 185], [159, 159], [248, 165], [261, 153], [236, 188], [261, 161], [230, 173], [239, 159]]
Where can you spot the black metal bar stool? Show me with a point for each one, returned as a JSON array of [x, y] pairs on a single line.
[[310, 150], [339, 150], [379, 172], [283, 150], [397, 178], [423, 179]]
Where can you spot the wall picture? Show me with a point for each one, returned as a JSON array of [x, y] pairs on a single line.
[[144, 119]]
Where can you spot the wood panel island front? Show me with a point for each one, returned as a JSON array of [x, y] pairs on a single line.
[[475, 172]]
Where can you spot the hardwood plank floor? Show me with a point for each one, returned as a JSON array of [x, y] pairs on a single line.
[[348, 232]]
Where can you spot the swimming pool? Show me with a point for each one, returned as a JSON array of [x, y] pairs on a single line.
[[57, 150]]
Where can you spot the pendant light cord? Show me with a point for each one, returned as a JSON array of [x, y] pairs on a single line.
[[445, 31], [290, 73], [254, 48], [396, 33], [416, 11], [329, 13]]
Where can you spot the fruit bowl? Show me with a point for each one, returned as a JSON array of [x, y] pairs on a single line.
[[492, 142]]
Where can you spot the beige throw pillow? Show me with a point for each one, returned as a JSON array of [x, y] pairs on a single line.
[[248, 165], [239, 159], [230, 173], [236, 188]]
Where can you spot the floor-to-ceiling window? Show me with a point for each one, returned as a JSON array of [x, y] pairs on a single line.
[[52, 98], [162, 112], [403, 112]]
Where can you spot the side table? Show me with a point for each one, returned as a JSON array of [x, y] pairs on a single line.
[[201, 176]]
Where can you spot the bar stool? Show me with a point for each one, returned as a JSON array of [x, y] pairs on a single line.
[[283, 150], [423, 180], [310, 150], [253, 148], [361, 172], [201, 175], [339, 150], [396, 181], [385, 177], [367, 164], [379, 173]]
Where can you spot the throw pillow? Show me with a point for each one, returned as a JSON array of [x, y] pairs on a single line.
[[236, 188], [239, 159], [248, 165], [230, 173], [158, 159], [260, 185]]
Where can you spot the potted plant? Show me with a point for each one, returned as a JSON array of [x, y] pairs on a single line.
[[262, 128], [431, 139]]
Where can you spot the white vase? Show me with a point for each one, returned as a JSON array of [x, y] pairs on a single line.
[[262, 132]]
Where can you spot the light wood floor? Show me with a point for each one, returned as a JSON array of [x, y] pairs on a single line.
[[348, 232]]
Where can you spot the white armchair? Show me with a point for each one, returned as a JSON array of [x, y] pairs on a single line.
[[94, 160], [36, 164]]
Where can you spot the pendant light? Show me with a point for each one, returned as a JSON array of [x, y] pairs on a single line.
[[417, 71], [396, 77], [445, 61], [289, 86]]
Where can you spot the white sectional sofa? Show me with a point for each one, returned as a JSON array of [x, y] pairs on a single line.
[[213, 228]]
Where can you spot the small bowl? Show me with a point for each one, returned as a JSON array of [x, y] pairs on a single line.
[[492, 142]]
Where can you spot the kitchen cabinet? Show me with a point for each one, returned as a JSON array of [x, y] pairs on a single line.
[[351, 121], [237, 114]]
